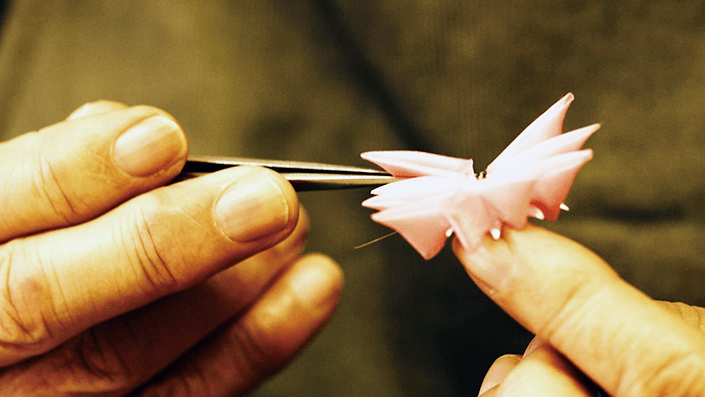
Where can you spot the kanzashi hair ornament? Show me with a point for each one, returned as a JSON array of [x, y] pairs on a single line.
[[440, 195]]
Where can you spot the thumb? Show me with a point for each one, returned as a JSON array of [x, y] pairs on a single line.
[[569, 297]]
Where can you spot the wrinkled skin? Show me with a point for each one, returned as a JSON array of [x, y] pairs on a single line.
[[590, 325], [116, 282]]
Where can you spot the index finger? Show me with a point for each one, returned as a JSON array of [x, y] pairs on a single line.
[[573, 300], [78, 169]]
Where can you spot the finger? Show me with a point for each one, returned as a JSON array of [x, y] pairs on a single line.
[[505, 364], [499, 371], [264, 340], [574, 301], [533, 345], [62, 282], [77, 169], [544, 372], [93, 108], [691, 315], [124, 352]]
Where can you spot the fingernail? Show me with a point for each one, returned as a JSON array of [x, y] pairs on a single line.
[[252, 208], [150, 146], [491, 264]]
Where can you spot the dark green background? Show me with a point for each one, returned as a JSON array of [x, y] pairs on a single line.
[[324, 80]]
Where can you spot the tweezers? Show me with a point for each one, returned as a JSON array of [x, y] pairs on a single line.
[[304, 176]]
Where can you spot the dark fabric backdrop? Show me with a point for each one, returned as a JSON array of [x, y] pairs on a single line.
[[324, 80]]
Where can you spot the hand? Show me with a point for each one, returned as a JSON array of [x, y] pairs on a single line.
[[588, 322], [112, 284]]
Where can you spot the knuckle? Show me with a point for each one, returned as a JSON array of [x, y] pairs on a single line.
[[146, 252], [50, 185], [98, 365], [28, 309]]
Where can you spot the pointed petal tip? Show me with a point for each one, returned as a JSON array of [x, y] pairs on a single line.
[[371, 202], [367, 155], [538, 214], [588, 155], [587, 130], [565, 101]]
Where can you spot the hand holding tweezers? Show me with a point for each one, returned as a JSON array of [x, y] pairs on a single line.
[[304, 176]]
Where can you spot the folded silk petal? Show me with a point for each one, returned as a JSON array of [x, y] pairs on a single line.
[[553, 187], [409, 163], [418, 188], [548, 125], [568, 142], [469, 219], [531, 177], [421, 223], [509, 198]]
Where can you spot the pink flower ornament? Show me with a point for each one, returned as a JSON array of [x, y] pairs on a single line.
[[442, 195]]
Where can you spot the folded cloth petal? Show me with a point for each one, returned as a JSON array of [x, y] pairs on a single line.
[[442, 194]]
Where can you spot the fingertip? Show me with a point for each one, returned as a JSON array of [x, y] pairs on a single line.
[[290, 196], [144, 144], [499, 264], [150, 146], [259, 204], [304, 220], [288, 315], [317, 282], [93, 108], [544, 372], [499, 371], [541, 250], [490, 264]]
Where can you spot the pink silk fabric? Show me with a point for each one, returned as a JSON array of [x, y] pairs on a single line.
[[442, 195]]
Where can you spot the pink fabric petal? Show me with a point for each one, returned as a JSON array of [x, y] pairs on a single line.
[[553, 187], [469, 219], [531, 177], [423, 185], [408, 163], [568, 142], [509, 197], [421, 223], [383, 202], [548, 125], [415, 189]]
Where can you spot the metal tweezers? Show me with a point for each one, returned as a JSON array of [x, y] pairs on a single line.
[[304, 176]]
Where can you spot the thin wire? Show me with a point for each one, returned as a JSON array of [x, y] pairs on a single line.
[[375, 240]]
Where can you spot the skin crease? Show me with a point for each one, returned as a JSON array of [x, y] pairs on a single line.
[[116, 282], [590, 325], [114, 278]]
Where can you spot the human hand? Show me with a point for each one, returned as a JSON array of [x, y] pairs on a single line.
[[588, 323], [112, 284]]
